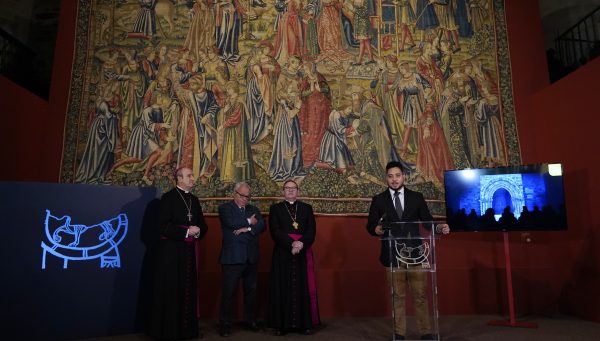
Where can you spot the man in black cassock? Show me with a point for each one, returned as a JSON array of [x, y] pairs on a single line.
[[293, 302], [181, 223]]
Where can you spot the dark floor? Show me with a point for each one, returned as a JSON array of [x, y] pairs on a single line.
[[452, 328]]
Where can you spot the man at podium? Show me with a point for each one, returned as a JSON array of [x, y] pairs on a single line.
[[399, 204]]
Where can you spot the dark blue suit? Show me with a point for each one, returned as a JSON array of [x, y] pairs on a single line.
[[243, 248], [239, 259]]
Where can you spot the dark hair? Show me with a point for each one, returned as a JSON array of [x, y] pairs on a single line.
[[394, 164]]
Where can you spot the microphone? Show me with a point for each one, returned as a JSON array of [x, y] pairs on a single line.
[[381, 221]]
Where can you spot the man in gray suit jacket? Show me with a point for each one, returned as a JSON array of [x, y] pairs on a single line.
[[241, 225]]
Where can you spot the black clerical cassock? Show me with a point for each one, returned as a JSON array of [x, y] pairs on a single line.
[[292, 287], [175, 314]]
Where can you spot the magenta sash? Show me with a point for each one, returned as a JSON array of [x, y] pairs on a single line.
[[312, 282], [197, 253]]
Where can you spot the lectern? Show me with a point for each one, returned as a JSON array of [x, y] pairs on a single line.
[[412, 277]]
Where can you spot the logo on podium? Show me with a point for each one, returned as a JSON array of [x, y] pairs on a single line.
[[411, 256]]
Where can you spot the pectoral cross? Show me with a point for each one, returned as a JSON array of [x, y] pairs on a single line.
[[189, 215], [295, 225]]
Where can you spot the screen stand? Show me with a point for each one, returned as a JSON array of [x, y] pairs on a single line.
[[512, 322]]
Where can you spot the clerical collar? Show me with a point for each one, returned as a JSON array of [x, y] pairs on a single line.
[[290, 202], [184, 191]]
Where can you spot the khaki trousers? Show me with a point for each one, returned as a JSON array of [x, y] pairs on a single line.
[[417, 282]]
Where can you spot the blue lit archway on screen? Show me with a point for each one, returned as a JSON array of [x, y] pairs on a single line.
[[513, 183], [78, 242]]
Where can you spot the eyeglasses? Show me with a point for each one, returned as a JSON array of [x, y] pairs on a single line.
[[290, 188], [244, 195]]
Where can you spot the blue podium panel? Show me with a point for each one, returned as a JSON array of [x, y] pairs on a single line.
[[75, 259]]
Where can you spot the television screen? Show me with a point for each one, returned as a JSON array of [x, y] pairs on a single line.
[[513, 198]]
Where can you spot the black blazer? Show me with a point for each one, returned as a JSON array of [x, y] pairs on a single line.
[[243, 248], [382, 210]]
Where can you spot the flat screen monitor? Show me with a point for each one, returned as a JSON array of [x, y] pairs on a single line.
[[513, 198]]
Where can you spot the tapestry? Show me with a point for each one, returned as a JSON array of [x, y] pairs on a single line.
[[325, 92]]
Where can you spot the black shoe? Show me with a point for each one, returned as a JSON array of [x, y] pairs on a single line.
[[280, 332], [252, 326], [428, 337], [307, 331], [224, 331], [398, 337]]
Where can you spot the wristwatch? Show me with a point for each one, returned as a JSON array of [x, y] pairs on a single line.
[[249, 228]]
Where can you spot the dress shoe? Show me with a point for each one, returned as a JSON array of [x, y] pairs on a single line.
[[224, 331], [307, 331], [252, 326], [398, 337], [428, 337], [280, 332]]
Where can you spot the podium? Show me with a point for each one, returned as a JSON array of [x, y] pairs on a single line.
[[412, 278]]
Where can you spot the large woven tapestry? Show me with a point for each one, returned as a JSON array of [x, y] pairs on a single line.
[[325, 92]]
